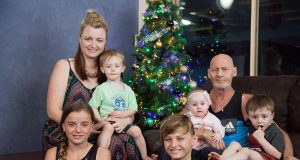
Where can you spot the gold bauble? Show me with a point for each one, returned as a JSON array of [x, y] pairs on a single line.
[[171, 40], [182, 100], [183, 69], [158, 44]]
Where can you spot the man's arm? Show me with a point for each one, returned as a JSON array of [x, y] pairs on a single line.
[[245, 98], [206, 135], [288, 146]]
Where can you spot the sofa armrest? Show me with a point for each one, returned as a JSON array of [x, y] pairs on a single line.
[[152, 141]]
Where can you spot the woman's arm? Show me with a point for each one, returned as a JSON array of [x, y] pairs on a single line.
[[123, 114], [56, 90], [51, 154], [103, 154]]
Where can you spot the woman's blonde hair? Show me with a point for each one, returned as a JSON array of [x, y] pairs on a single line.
[[94, 19]]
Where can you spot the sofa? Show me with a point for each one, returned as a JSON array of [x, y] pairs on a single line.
[[283, 89]]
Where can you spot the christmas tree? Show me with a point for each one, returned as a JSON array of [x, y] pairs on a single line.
[[160, 77]]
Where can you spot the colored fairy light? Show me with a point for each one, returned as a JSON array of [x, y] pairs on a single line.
[[149, 121]]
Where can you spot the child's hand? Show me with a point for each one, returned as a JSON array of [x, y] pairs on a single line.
[[117, 114], [259, 134], [217, 137]]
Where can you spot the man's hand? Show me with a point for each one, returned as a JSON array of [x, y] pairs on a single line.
[[217, 137], [97, 127], [207, 136]]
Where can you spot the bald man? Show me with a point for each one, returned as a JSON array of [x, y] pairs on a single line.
[[229, 105]]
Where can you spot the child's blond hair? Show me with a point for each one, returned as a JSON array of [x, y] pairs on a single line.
[[110, 53]]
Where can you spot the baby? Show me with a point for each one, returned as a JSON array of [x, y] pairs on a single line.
[[198, 102]]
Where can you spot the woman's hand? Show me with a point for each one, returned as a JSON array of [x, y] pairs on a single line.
[[119, 123], [97, 127]]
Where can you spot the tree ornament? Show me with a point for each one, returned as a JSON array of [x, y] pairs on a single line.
[[141, 44], [182, 100], [162, 6], [154, 56], [155, 35], [158, 44], [183, 69], [170, 23], [177, 91], [140, 58], [135, 67], [193, 84], [155, 16], [171, 40]]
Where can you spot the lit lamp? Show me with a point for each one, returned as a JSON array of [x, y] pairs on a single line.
[[225, 4]]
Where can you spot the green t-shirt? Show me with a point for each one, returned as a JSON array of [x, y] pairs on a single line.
[[110, 99]]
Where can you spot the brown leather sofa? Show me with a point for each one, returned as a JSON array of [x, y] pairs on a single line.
[[284, 90]]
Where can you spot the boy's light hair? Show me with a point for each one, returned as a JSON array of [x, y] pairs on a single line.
[[173, 122], [107, 54], [259, 102]]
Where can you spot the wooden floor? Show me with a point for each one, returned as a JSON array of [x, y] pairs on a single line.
[[23, 156]]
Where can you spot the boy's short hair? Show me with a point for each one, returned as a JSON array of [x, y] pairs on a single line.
[[260, 101], [173, 122], [110, 53]]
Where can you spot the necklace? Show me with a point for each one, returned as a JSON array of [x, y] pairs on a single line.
[[91, 75]]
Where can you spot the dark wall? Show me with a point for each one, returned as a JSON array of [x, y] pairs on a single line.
[[34, 34]]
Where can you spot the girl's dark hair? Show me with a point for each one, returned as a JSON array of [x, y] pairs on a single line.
[[76, 106], [94, 19]]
